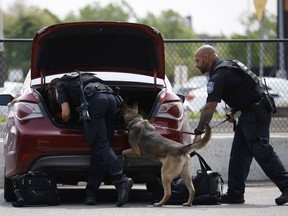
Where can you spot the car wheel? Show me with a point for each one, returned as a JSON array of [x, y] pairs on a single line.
[[8, 191]]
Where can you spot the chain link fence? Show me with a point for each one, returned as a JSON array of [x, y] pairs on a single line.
[[266, 58]]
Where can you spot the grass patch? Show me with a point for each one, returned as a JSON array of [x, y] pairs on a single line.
[[3, 118], [196, 115]]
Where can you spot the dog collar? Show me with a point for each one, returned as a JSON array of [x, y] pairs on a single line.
[[132, 123]]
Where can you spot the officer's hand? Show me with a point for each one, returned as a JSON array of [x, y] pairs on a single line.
[[230, 117]]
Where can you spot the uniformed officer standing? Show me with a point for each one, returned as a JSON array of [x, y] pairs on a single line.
[[251, 138], [99, 122]]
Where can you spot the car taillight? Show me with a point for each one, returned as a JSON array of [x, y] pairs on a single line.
[[191, 96], [25, 111], [173, 110]]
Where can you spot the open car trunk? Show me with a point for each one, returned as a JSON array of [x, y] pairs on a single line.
[[101, 47], [146, 98]]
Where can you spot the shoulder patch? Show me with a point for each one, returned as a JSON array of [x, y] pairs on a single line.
[[73, 74], [210, 87]]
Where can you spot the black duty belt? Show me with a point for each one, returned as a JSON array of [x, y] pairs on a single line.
[[257, 107], [96, 87], [247, 109]]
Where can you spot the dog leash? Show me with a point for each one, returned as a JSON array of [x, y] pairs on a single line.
[[186, 132]]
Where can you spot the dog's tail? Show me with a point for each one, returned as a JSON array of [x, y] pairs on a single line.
[[199, 144]]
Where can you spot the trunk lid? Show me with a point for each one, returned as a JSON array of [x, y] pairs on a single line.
[[98, 46]]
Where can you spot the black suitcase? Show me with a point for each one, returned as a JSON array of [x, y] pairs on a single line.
[[34, 188]]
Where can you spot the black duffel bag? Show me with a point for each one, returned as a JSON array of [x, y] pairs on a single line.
[[207, 183], [34, 188]]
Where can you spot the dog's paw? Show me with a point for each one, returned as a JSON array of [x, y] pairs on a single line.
[[124, 152], [128, 152], [187, 204], [157, 205]]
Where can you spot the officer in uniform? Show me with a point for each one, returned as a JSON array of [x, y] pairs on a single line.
[[99, 122], [251, 138]]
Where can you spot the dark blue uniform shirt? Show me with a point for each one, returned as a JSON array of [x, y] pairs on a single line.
[[225, 82]]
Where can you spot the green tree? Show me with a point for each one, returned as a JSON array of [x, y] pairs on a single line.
[[24, 22], [254, 27], [172, 26], [250, 53], [110, 12]]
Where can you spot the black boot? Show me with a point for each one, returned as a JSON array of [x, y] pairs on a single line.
[[228, 199], [90, 201], [283, 198], [123, 192]]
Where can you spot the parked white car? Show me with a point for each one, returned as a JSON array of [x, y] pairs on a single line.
[[197, 99], [197, 84], [12, 88], [278, 88]]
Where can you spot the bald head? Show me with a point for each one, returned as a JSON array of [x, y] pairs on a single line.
[[206, 50], [204, 57]]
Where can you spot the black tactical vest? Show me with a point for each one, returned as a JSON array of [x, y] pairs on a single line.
[[73, 80], [241, 68]]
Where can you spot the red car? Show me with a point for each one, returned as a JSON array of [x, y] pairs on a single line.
[[127, 55]]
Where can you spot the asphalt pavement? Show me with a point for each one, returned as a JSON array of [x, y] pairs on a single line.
[[259, 196]]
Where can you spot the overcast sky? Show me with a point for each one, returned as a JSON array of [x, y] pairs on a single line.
[[213, 17]]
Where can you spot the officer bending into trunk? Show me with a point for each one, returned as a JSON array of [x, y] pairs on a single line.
[[86, 96], [238, 87]]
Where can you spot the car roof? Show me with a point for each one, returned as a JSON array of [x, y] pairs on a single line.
[[98, 46]]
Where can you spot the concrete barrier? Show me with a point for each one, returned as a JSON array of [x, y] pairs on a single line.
[[217, 156]]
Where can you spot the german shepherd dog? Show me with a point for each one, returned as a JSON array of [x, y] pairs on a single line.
[[146, 141]]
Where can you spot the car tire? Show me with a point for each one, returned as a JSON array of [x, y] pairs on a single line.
[[8, 191]]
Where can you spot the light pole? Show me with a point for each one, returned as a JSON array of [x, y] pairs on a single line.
[[1, 48], [281, 72]]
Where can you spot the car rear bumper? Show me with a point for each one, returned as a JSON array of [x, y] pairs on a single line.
[[71, 169]]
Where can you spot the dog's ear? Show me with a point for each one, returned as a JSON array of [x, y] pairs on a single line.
[[135, 107], [125, 104]]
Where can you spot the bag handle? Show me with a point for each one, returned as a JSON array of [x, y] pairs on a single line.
[[203, 164], [205, 167]]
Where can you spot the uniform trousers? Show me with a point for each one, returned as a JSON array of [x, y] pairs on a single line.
[[99, 132], [251, 140]]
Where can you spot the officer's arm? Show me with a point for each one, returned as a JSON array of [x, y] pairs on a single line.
[[206, 114], [205, 118], [66, 115]]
